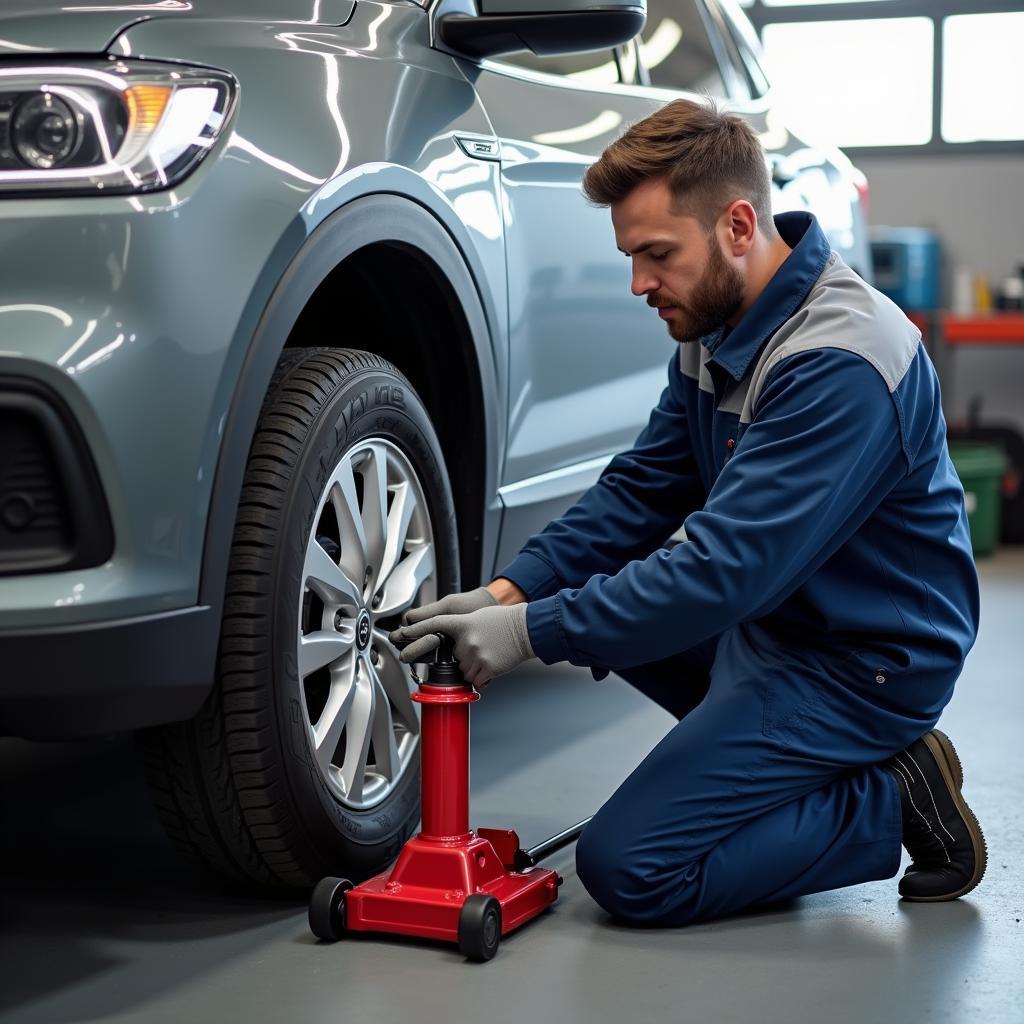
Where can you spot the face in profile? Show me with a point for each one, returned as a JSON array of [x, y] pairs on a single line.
[[678, 265]]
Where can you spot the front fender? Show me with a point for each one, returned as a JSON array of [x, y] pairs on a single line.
[[361, 222], [344, 136]]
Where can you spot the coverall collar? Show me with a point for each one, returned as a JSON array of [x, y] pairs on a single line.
[[733, 348]]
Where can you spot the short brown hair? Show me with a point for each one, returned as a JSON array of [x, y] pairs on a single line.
[[709, 158]]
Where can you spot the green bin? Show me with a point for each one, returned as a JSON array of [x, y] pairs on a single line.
[[980, 468]]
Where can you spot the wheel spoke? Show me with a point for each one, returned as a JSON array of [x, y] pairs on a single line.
[[345, 501], [396, 680], [385, 560], [385, 751], [322, 648], [375, 508], [328, 729], [360, 724], [402, 507], [326, 578], [406, 579]]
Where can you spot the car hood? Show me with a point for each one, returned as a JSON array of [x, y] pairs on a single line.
[[29, 27]]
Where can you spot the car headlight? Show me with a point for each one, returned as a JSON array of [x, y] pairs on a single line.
[[108, 126]]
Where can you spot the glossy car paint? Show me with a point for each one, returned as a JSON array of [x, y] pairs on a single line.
[[158, 318], [139, 311], [587, 357], [82, 26]]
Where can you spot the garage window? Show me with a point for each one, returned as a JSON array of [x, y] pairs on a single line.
[[983, 77], [846, 106], [897, 76]]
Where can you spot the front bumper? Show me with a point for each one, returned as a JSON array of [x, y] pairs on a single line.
[[133, 315], [95, 678], [101, 627]]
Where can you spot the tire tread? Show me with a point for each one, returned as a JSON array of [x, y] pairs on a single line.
[[215, 780]]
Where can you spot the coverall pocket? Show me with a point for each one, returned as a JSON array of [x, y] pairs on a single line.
[[876, 667]]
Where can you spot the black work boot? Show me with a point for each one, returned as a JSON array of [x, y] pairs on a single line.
[[940, 832]]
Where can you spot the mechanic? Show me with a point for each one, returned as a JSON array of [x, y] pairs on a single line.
[[808, 631]]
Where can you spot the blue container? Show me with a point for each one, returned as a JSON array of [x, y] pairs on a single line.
[[907, 266]]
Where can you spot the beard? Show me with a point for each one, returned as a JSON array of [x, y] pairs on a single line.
[[717, 296]]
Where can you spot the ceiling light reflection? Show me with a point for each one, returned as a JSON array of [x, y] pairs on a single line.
[[86, 334], [238, 142], [606, 121], [160, 5], [99, 355], [7, 44], [664, 39], [30, 307]]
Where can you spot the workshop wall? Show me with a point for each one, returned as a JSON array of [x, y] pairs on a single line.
[[975, 204]]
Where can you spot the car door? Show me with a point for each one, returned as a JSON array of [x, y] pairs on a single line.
[[586, 357]]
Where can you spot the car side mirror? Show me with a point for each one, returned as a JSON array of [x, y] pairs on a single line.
[[486, 28]]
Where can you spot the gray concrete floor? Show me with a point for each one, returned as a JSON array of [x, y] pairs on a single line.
[[100, 922]]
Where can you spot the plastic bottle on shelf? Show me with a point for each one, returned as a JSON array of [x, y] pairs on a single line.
[[963, 291], [982, 294]]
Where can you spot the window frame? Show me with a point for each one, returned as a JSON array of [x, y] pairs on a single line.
[[737, 79], [937, 11], [732, 76], [716, 21], [730, 53], [749, 51]]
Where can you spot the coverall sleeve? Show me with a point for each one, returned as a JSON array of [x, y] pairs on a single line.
[[823, 449], [637, 503]]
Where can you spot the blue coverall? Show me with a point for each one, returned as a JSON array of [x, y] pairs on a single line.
[[812, 623]]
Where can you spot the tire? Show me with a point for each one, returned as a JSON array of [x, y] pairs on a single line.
[[480, 927], [274, 780]]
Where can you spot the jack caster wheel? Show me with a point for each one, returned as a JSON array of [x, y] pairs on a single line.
[[327, 908], [480, 927]]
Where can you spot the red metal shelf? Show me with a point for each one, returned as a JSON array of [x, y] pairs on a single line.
[[975, 329], [983, 329]]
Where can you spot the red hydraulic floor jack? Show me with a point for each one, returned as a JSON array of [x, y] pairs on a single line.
[[449, 882]]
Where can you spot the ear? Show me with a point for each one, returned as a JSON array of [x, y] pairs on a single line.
[[740, 225]]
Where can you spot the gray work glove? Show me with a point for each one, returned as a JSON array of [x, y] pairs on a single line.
[[452, 604], [488, 642]]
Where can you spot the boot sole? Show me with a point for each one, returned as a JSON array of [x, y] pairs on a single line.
[[953, 774]]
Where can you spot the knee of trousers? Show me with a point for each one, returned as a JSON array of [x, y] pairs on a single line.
[[631, 886]]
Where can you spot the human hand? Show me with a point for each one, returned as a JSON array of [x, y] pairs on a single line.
[[451, 604], [487, 642]]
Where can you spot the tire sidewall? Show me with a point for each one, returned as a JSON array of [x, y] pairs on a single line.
[[368, 403]]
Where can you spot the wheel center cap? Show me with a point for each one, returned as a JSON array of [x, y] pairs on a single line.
[[363, 630]]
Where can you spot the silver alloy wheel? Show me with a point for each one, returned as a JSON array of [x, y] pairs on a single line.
[[368, 556]]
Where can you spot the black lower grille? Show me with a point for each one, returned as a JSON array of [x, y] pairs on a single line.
[[35, 525], [52, 512]]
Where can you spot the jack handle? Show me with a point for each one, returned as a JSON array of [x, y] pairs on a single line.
[[528, 858]]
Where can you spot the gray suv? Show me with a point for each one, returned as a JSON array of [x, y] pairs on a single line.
[[304, 322]]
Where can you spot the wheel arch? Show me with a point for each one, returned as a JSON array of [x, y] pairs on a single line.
[[344, 249]]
